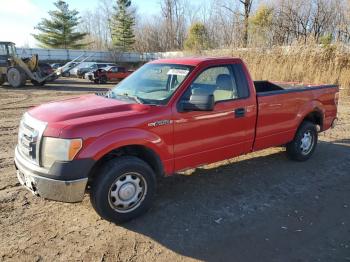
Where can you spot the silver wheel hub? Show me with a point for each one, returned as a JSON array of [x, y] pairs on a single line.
[[306, 143], [127, 192]]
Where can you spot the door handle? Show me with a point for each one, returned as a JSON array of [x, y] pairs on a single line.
[[239, 112]]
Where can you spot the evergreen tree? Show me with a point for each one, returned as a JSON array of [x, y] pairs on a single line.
[[59, 30], [122, 24], [198, 38]]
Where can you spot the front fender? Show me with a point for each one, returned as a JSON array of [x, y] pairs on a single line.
[[102, 145]]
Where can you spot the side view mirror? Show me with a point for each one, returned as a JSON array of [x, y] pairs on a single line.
[[198, 102]]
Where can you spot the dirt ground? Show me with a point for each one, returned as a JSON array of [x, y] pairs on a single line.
[[259, 207]]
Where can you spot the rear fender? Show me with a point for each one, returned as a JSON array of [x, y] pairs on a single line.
[[312, 106]]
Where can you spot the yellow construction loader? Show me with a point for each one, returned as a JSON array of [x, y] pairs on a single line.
[[16, 71]]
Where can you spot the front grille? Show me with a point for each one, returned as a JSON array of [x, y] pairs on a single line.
[[29, 135], [28, 140]]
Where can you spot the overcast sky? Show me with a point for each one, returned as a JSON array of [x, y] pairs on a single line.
[[18, 17]]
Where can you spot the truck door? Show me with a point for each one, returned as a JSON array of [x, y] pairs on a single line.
[[202, 137], [121, 72]]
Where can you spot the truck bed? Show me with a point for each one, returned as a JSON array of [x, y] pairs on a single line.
[[264, 87], [281, 104]]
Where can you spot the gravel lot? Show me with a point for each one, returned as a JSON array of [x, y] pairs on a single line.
[[259, 207]]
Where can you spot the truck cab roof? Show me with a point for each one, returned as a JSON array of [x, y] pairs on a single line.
[[195, 61]]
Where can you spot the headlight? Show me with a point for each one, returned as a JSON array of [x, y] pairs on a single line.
[[58, 149]]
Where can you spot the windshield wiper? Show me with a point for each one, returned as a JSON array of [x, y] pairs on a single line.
[[111, 94], [136, 98]]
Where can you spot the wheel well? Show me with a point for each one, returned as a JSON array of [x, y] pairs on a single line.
[[316, 118], [142, 152]]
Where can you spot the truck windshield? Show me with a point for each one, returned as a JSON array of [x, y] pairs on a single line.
[[151, 84], [12, 50]]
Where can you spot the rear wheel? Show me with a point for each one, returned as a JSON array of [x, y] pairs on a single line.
[[304, 143], [123, 189], [16, 77]]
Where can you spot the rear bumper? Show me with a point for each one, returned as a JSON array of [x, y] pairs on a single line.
[[52, 183], [334, 122]]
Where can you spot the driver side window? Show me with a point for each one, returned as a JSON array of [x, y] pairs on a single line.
[[114, 69], [218, 81], [3, 50]]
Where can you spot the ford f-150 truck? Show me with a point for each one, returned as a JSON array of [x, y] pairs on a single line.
[[169, 116]]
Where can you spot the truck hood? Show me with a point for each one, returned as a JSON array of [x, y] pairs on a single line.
[[83, 106]]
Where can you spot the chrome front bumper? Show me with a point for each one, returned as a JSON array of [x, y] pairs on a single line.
[[29, 176]]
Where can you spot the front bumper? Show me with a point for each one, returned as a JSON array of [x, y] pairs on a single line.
[[53, 183]]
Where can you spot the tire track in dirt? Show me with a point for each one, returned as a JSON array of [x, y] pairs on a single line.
[[19, 101]]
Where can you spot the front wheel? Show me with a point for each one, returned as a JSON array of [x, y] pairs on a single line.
[[304, 143], [103, 80], [16, 77], [123, 189]]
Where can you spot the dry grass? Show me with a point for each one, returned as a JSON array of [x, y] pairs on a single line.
[[307, 64]]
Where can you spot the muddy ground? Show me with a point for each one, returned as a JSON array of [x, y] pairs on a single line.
[[259, 207]]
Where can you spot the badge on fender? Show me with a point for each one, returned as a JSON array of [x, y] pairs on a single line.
[[160, 123]]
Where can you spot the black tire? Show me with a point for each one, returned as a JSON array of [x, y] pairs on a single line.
[[299, 151], [36, 83], [106, 193], [96, 81], [16, 77], [103, 80], [2, 80]]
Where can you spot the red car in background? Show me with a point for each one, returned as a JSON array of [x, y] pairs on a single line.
[[108, 74]]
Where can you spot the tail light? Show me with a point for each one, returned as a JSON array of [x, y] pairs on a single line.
[[336, 98]]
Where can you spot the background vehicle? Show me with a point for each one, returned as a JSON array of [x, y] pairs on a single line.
[[170, 115], [74, 71], [47, 70], [108, 74], [82, 71], [56, 65], [69, 69], [16, 70]]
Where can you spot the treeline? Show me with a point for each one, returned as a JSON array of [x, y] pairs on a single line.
[[181, 24]]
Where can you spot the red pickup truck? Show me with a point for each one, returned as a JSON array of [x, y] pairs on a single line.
[[168, 116]]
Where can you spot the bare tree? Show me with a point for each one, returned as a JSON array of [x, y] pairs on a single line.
[[173, 12], [149, 35], [96, 23], [247, 8], [229, 23]]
